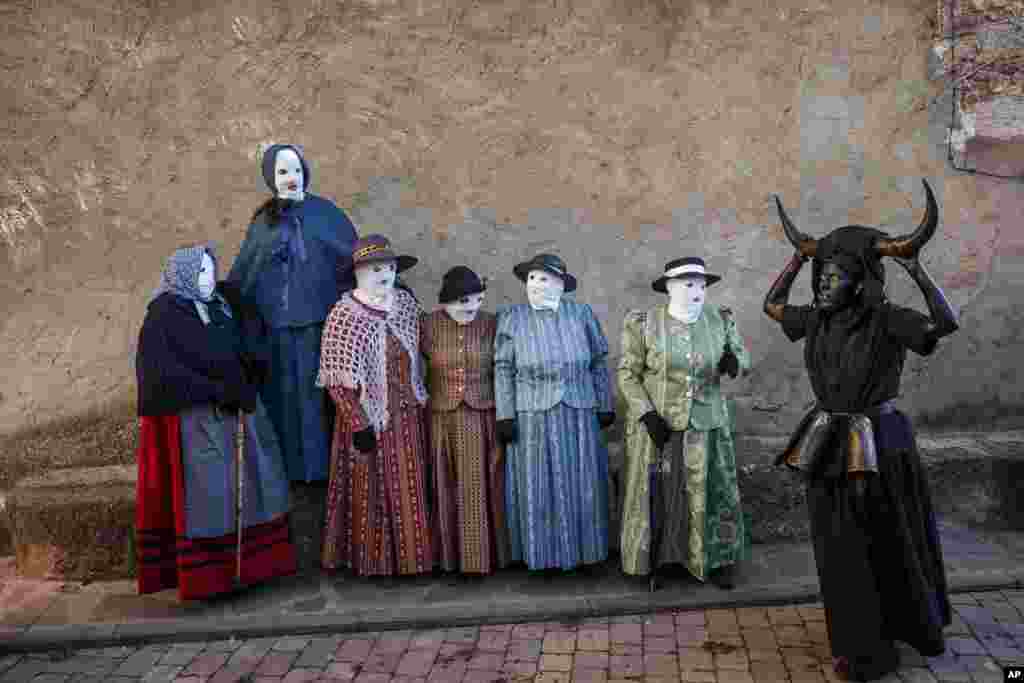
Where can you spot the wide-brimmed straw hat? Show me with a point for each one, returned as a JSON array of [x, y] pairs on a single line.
[[548, 263], [691, 266]]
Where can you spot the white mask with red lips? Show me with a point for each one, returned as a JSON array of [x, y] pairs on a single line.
[[544, 290], [375, 284], [207, 278], [288, 176], [465, 309], [686, 298]]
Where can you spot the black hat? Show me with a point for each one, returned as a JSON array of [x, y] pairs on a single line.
[[549, 263], [374, 248], [458, 282], [684, 267]]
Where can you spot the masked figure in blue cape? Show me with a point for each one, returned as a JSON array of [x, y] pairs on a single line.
[[288, 269]]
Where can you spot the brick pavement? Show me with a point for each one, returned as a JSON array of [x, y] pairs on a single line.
[[743, 645]]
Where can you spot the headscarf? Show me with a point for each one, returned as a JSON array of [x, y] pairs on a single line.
[[291, 247], [270, 158], [181, 273], [181, 277]]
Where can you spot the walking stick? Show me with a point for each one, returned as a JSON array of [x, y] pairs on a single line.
[[239, 477], [653, 483]]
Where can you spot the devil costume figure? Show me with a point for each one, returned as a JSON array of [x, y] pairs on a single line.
[[553, 396], [288, 267], [673, 358], [377, 519], [876, 545], [198, 363], [467, 461]]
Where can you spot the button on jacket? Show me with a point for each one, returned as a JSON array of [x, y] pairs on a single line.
[[672, 368], [546, 357], [460, 360]]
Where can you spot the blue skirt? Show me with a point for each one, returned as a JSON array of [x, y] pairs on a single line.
[[298, 408], [208, 464], [556, 489]]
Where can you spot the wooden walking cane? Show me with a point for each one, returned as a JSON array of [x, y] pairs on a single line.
[[239, 478]]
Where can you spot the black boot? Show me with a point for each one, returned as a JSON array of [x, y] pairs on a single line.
[[723, 578]]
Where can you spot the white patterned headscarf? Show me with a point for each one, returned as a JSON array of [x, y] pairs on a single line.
[[181, 274]]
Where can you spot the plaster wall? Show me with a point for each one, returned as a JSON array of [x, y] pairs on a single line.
[[617, 133]]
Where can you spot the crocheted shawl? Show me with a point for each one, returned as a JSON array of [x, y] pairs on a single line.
[[353, 352]]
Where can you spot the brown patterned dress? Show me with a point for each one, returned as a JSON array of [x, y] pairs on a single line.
[[467, 462], [377, 519]]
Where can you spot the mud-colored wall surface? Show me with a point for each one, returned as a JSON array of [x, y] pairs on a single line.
[[619, 134]]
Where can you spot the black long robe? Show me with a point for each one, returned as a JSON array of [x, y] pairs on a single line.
[[879, 558]]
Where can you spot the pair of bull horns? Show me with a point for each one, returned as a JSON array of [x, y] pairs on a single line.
[[905, 246]]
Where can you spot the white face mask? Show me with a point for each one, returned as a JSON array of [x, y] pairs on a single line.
[[375, 283], [544, 290], [464, 310], [288, 176], [686, 298], [207, 278]]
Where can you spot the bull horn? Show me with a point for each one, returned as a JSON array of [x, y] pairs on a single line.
[[805, 244], [908, 246]]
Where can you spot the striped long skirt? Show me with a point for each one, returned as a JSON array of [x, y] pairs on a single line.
[[468, 491], [556, 489]]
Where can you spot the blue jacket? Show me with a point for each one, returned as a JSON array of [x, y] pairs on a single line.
[[544, 357], [287, 291]]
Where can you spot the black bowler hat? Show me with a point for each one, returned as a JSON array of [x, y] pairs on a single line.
[[691, 266], [549, 263], [377, 248], [458, 282]]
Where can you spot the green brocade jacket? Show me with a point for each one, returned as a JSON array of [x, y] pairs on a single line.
[[672, 368]]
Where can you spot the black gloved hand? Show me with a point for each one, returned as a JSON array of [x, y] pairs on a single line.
[[365, 440], [729, 364], [240, 397], [657, 428], [248, 398], [507, 432], [256, 371], [606, 420]]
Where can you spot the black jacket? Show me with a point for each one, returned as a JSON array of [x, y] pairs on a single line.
[[183, 363]]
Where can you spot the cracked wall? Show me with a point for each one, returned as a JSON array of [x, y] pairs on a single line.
[[620, 134]]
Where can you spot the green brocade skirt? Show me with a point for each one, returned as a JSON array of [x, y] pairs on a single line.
[[697, 502]]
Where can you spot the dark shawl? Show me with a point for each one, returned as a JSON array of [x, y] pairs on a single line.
[[182, 363]]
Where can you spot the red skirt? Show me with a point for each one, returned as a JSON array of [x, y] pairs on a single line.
[[199, 567]]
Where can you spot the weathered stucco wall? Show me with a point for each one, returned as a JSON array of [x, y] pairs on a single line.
[[618, 133]]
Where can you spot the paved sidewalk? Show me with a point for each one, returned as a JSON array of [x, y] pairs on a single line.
[[37, 615], [745, 645]]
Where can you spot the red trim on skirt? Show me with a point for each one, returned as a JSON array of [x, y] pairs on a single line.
[[198, 567]]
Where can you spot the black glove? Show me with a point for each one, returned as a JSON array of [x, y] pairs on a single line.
[[657, 428], [241, 397], [365, 440], [256, 371], [606, 420], [507, 432], [729, 364]]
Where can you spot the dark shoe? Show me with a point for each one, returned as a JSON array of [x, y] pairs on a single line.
[[723, 578], [871, 668]]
